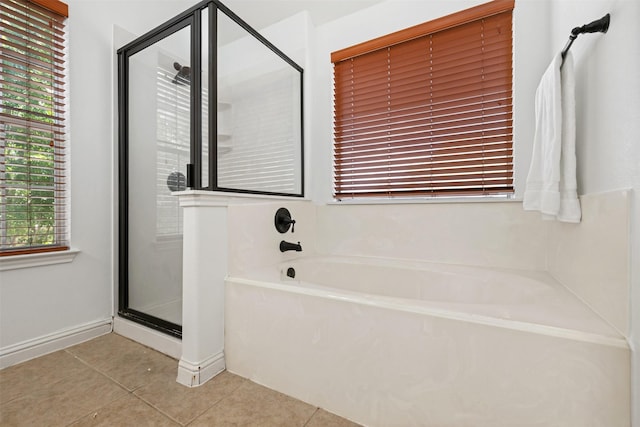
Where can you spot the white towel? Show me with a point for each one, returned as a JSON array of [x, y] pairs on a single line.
[[551, 184]]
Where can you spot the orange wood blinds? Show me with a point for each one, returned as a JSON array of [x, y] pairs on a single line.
[[431, 115], [55, 6]]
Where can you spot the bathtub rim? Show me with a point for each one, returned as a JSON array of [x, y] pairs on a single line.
[[401, 304]]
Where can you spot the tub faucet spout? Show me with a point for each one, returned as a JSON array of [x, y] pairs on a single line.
[[286, 246]]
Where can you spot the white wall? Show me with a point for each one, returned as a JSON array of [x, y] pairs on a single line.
[[607, 70], [608, 116], [608, 130], [41, 301], [254, 241], [485, 234]]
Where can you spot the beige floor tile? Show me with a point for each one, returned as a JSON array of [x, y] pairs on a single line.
[[183, 404], [38, 409], [61, 402], [323, 418], [86, 384], [254, 405], [33, 375], [130, 364], [127, 411]]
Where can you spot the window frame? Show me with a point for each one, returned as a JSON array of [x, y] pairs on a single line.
[[386, 42], [46, 12]]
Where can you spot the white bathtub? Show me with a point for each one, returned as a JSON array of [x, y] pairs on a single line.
[[397, 343]]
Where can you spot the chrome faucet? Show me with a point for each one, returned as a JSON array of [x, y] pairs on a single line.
[[286, 246]]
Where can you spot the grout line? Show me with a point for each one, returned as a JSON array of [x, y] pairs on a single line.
[[156, 409], [243, 382], [311, 417], [114, 381], [104, 374], [94, 369], [208, 406], [133, 390], [101, 405]]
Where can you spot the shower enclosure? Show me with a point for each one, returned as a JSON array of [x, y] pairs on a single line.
[[205, 103]]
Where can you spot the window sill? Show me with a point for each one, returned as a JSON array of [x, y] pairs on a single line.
[[191, 198], [15, 262], [425, 200]]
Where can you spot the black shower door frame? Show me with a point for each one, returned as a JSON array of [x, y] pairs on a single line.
[[192, 17]]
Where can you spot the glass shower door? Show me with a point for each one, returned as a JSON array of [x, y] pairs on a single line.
[[207, 94], [157, 150]]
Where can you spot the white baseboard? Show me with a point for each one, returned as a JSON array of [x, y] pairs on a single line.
[[158, 341], [196, 374], [37, 347]]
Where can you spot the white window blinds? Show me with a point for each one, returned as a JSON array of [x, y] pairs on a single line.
[[32, 130]]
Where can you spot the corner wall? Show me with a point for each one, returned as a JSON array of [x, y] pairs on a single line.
[[607, 70], [47, 304], [496, 234], [592, 258], [608, 141]]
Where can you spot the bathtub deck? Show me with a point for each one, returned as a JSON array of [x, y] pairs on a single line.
[[551, 310], [387, 361]]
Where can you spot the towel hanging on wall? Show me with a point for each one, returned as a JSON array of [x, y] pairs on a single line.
[[551, 184]]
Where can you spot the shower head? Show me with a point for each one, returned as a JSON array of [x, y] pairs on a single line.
[[184, 74]]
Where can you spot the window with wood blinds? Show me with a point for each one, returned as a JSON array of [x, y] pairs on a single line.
[[427, 111], [33, 206]]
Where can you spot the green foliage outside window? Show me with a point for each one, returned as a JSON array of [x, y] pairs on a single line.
[[29, 162]]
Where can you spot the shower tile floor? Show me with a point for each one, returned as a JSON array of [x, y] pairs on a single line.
[[113, 381]]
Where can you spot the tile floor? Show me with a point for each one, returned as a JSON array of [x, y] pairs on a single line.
[[113, 381]]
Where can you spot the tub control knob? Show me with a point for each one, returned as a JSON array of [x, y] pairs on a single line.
[[283, 220]]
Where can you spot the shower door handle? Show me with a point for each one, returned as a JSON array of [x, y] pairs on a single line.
[[190, 174]]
